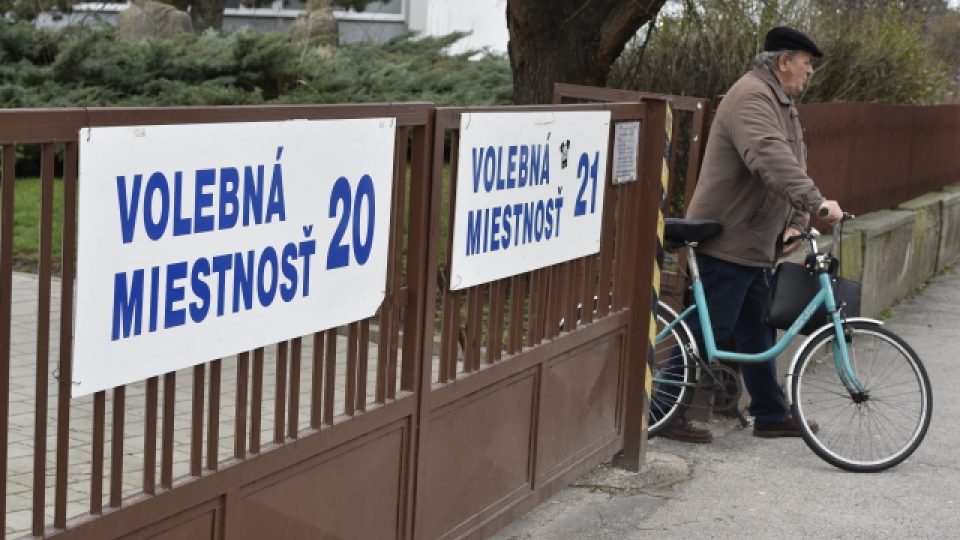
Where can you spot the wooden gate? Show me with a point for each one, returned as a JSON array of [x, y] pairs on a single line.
[[444, 415], [535, 372], [688, 141]]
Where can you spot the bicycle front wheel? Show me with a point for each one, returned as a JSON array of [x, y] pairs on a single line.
[[869, 431], [674, 372]]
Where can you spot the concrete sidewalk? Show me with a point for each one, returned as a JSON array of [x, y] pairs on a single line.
[[743, 487]]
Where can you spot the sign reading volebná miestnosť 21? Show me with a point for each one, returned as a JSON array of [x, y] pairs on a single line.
[[200, 241], [529, 192]]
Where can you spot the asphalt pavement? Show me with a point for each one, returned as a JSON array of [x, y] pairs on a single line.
[[741, 486]]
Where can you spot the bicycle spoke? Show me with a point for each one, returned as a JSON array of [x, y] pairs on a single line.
[[674, 374], [881, 429]]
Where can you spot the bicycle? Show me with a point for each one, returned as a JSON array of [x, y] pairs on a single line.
[[864, 386]]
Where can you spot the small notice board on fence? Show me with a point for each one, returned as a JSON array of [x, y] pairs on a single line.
[[529, 192], [202, 241], [626, 143]]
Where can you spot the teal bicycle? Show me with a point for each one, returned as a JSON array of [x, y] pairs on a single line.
[[864, 387]]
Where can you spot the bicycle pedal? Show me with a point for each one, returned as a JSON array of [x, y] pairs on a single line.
[[744, 423]]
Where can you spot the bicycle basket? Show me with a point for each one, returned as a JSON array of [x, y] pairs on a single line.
[[794, 285]]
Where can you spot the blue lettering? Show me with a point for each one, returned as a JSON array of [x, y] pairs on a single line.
[[268, 293], [558, 205], [528, 223], [222, 263], [489, 169], [507, 214], [199, 310], [522, 171], [289, 289], [229, 203], [127, 304], [500, 182], [307, 248], [545, 171], [474, 224], [154, 297], [548, 230], [156, 184], [202, 199], [486, 229], [275, 205], [174, 293], [477, 167], [181, 226], [534, 165], [517, 211], [128, 206], [495, 228], [538, 222], [252, 195], [242, 281], [511, 166]]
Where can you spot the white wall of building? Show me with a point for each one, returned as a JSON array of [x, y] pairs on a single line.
[[486, 19]]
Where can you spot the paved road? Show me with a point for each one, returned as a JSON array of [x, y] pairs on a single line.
[[744, 487]]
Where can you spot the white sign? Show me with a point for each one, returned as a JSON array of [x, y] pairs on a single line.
[[529, 192], [626, 142], [197, 242]]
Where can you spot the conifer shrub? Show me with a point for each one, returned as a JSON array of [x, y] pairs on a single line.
[[95, 67]]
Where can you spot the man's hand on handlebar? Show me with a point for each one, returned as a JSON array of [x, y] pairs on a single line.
[[790, 237], [830, 212]]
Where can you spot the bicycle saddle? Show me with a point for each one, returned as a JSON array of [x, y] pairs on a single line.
[[680, 231]]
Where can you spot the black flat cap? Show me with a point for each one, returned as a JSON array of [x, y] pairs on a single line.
[[782, 38]]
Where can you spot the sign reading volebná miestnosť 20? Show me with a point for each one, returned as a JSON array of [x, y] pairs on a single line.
[[200, 241], [529, 192]]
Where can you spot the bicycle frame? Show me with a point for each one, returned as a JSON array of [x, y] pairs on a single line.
[[824, 297]]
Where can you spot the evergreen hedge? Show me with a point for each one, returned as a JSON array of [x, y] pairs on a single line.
[[83, 67]]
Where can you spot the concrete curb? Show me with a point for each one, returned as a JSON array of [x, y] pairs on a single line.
[[892, 252]]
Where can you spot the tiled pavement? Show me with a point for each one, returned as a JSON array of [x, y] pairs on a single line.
[[23, 405]]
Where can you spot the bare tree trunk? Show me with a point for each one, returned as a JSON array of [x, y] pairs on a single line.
[[207, 14], [569, 41]]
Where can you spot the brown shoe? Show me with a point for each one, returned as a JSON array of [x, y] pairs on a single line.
[[787, 428], [683, 430]]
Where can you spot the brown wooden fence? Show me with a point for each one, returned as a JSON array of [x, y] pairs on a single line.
[[871, 156], [177, 454], [868, 156], [444, 415], [536, 372], [688, 139]]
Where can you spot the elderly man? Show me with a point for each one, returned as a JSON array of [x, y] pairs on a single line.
[[754, 181]]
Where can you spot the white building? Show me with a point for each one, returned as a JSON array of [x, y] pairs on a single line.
[[486, 19]]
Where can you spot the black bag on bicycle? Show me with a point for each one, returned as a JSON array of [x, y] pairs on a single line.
[[794, 286]]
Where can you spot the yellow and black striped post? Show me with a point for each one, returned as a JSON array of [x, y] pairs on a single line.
[[658, 122], [658, 262]]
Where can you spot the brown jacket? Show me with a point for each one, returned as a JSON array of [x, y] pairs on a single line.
[[754, 177]]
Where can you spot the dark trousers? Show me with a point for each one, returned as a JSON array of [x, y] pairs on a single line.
[[736, 295]]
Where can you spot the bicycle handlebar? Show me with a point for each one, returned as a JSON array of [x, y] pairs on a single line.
[[806, 235]]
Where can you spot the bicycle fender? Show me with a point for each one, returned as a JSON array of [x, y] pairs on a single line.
[[788, 390]]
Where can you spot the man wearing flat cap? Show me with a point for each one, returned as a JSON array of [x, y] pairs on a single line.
[[754, 181]]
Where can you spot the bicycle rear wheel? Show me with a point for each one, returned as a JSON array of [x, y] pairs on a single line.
[[865, 432], [674, 372]]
